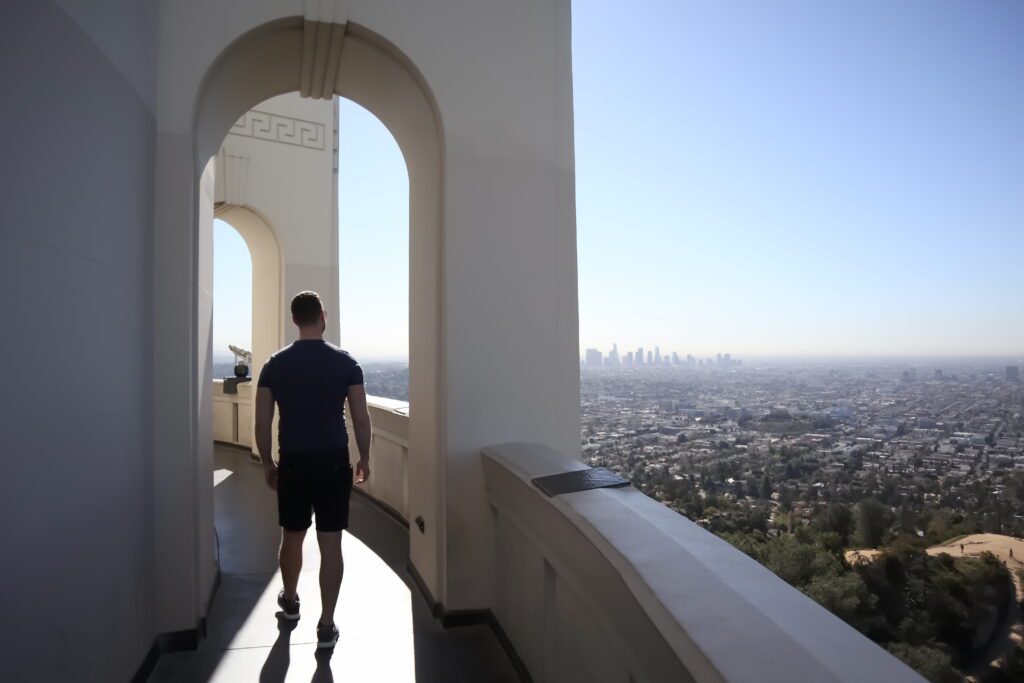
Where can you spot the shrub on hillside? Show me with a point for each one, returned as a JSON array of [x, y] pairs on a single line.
[[930, 662]]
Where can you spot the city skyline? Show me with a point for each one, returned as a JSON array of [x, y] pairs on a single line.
[[812, 181], [595, 358], [934, 361]]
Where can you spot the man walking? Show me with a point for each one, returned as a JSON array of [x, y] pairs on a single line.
[[310, 380]]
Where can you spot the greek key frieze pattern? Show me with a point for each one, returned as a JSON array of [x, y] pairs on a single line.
[[276, 128]]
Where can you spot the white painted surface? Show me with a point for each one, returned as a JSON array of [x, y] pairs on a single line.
[[232, 414], [76, 206], [276, 183], [389, 466], [202, 530], [632, 588]]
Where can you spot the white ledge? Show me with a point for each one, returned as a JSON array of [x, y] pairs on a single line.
[[721, 615]]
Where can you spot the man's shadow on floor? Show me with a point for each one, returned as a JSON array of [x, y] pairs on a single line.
[[323, 672], [275, 668]]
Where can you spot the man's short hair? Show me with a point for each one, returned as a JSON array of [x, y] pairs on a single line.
[[306, 308]]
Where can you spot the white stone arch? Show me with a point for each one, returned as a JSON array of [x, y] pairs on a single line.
[[323, 60], [267, 279]]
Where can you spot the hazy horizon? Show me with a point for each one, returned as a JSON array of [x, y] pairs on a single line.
[[931, 361]]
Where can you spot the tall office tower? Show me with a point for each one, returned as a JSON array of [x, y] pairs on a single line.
[[718, 359], [675, 358], [700, 364], [639, 357], [657, 355], [629, 358], [650, 357], [594, 358], [938, 374], [690, 360], [727, 360], [1012, 373], [613, 356]]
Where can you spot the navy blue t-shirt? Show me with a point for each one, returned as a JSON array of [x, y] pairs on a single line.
[[309, 380]]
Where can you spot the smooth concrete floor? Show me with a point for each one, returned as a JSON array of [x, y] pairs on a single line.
[[387, 631]]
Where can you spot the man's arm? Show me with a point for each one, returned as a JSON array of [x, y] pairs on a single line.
[[361, 424], [264, 437]]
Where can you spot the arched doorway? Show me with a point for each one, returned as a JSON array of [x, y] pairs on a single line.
[[267, 285], [347, 61], [233, 421]]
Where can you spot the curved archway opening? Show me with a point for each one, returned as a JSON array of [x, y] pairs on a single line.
[[232, 294], [265, 281], [373, 263], [247, 314], [369, 71], [232, 328]]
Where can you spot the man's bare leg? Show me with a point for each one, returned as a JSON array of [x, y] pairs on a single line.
[[290, 559], [332, 567]]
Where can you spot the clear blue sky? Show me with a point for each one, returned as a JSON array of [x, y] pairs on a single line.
[[786, 178]]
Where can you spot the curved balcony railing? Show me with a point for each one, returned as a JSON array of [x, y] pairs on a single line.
[[610, 585], [390, 447]]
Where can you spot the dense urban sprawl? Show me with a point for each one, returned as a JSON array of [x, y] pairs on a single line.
[[799, 435]]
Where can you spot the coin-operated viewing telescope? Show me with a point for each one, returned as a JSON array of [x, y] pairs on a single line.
[[243, 359]]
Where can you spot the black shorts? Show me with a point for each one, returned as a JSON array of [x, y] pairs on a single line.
[[314, 481]]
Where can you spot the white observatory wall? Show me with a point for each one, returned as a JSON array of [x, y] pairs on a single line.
[[290, 180], [501, 75], [510, 255], [76, 208]]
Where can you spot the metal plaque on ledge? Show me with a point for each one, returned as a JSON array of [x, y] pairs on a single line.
[[579, 480]]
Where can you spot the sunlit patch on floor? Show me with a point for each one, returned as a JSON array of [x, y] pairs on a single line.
[[221, 475]]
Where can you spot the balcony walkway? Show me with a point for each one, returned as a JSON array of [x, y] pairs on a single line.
[[387, 631]]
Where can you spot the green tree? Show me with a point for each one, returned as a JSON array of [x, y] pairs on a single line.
[[837, 518], [786, 498], [872, 522], [846, 596], [830, 541]]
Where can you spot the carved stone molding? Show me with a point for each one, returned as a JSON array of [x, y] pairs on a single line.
[[284, 129], [322, 41], [232, 180]]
